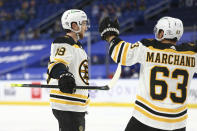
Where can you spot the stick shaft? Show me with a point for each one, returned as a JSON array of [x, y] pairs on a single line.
[[56, 86]]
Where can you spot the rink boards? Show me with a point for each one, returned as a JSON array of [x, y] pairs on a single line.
[[122, 94]]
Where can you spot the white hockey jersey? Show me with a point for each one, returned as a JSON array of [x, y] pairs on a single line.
[[165, 75], [65, 50]]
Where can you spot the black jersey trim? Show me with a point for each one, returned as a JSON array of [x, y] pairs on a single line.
[[57, 70], [65, 39], [67, 98], [120, 52], [159, 113], [179, 48], [113, 43]]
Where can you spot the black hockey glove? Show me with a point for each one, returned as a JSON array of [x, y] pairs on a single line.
[[107, 28], [67, 83]]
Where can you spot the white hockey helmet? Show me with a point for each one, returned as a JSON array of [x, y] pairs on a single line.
[[172, 27], [74, 15]]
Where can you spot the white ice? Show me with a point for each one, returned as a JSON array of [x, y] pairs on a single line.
[[40, 118]]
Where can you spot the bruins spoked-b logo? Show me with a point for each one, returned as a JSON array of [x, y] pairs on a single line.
[[83, 71]]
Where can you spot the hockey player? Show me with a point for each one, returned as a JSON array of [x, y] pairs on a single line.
[[165, 76], [69, 67]]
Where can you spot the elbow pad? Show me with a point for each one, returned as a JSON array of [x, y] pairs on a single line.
[[57, 70]]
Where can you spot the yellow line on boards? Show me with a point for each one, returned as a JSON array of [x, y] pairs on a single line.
[[114, 104], [95, 104], [28, 103]]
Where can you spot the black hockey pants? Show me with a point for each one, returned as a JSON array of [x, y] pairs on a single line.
[[135, 125], [70, 121]]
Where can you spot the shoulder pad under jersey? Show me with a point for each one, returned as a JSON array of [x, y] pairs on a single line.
[[65, 39], [149, 42], [187, 47], [155, 44]]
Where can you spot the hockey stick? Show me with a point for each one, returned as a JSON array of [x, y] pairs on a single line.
[[56, 86], [106, 87]]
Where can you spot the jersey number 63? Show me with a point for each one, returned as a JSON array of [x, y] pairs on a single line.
[[154, 83]]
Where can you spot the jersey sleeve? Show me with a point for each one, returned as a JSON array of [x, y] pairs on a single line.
[[125, 53]]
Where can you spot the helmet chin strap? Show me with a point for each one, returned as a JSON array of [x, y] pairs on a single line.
[[158, 39], [77, 32], [78, 37]]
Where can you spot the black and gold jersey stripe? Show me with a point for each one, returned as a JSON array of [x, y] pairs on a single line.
[[113, 43], [66, 102], [57, 60], [67, 40], [52, 64], [184, 48], [66, 98], [57, 92], [120, 49], [159, 113], [159, 118]]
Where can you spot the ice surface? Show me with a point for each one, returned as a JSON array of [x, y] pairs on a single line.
[[40, 118]]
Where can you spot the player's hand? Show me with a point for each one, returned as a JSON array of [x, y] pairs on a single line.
[[67, 83], [108, 27]]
